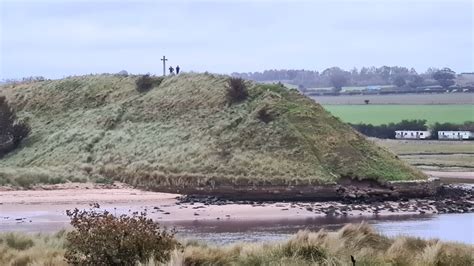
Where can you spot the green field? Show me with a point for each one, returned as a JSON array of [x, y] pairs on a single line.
[[383, 114]]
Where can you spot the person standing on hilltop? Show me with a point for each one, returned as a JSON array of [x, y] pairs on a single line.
[[177, 70], [171, 70]]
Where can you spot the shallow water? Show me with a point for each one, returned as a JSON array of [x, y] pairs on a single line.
[[447, 227]]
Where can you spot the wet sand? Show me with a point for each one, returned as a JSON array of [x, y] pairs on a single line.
[[43, 209]]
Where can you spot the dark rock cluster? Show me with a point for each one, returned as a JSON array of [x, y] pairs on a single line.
[[448, 199]]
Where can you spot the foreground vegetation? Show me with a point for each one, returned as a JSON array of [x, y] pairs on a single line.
[[384, 114], [185, 131], [305, 248]]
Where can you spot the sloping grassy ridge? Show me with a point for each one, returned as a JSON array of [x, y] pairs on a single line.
[[183, 132]]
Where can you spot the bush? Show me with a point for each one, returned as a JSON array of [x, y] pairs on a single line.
[[146, 82], [265, 115], [101, 238], [12, 131], [236, 90]]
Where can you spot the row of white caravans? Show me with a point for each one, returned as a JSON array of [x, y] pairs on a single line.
[[442, 135]]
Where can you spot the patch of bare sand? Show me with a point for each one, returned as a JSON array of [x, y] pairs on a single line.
[[81, 193], [43, 209]]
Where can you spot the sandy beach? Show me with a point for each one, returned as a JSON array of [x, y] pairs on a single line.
[[44, 207]]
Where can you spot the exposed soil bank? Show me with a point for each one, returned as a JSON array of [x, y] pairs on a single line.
[[345, 189], [447, 199]]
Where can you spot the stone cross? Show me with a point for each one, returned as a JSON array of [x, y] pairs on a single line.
[[164, 59]]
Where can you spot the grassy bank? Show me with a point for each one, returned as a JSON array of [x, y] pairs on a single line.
[[185, 133], [433, 154], [384, 114], [415, 99], [305, 248]]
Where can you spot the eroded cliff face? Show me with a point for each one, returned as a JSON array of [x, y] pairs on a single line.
[[348, 189]]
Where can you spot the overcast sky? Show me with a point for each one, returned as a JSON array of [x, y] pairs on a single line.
[[58, 38]]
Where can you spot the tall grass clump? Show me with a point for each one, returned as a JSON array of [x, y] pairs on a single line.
[[236, 90], [110, 245], [100, 238], [17, 241], [12, 131], [32, 249]]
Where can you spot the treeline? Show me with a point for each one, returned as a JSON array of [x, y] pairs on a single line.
[[387, 131], [336, 77]]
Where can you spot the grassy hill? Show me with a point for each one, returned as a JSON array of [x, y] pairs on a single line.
[[183, 132]]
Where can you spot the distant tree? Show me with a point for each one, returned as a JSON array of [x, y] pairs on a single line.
[[399, 81], [431, 70], [387, 131], [445, 77], [415, 81], [337, 77], [444, 127], [411, 125], [366, 101], [468, 125], [384, 72]]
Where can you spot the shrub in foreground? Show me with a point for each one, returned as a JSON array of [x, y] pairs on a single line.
[[12, 131], [101, 238], [236, 90]]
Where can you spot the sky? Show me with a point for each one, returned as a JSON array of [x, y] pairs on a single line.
[[53, 38]]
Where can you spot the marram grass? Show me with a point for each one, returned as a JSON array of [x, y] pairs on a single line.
[[185, 131], [305, 248]]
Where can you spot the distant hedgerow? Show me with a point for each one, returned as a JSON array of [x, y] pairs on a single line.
[[146, 82], [236, 90], [12, 131], [100, 238]]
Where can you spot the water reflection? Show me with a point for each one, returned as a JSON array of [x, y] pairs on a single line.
[[449, 227]]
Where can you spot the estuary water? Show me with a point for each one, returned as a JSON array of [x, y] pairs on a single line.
[[447, 227]]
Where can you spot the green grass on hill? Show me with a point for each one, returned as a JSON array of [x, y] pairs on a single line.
[[184, 133], [384, 114]]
